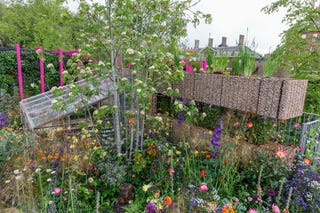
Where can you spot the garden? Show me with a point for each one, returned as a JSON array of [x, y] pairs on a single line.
[[170, 131]]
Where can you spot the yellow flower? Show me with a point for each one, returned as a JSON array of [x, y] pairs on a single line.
[[146, 187], [178, 152]]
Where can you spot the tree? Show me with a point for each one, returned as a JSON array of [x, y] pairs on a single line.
[[295, 52], [37, 22], [141, 35]]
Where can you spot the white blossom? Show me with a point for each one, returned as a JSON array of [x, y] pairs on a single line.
[[16, 171], [130, 51]]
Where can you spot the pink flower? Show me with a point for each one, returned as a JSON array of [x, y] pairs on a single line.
[[296, 125], [236, 200], [275, 209], [57, 191], [280, 153], [203, 187], [252, 210]]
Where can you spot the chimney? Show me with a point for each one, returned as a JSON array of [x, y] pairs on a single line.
[[224, 42], [241, 40], [210, 42], [196, 44]]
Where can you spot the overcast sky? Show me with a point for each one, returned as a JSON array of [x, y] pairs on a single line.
[[230, 18]]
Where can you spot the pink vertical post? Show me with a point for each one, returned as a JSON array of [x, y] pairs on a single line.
[[60, 65], [41, 64], [19, 71]]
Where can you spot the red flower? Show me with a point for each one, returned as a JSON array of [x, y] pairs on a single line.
[[203, 173], [249, 124]]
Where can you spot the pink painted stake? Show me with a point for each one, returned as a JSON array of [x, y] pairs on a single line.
[[19, 71], [61, 66], [41, 63]]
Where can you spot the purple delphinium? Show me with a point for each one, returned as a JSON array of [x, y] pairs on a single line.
[[151, 208], [216, 137]]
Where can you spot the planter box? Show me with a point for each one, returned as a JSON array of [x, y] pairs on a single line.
[[281, 98], [240, 93], [207, 88], [269, 97], [186, 87], [293, 95]]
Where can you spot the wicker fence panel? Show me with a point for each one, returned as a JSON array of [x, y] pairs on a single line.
[[269, 97], [186, 87], [240, 93], [292, 98], [207, 88]]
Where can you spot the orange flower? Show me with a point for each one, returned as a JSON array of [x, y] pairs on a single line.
[[282, 121], [131, 121], [56, 155], [50, 157], [307, 161], [208, 154], [229, 208], [249, 124], [167, 201], [133, 175]]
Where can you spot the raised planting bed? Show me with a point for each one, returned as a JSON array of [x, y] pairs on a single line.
[[281, 98], [293, 95], [186, 87], [240, 93], [208, 88]]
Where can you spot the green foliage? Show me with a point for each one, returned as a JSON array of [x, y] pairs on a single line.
[[236, 66], [247, 61], [219, 62], [296, 53], [30, 72], [312, 102], [39, 22], [270, 66]]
